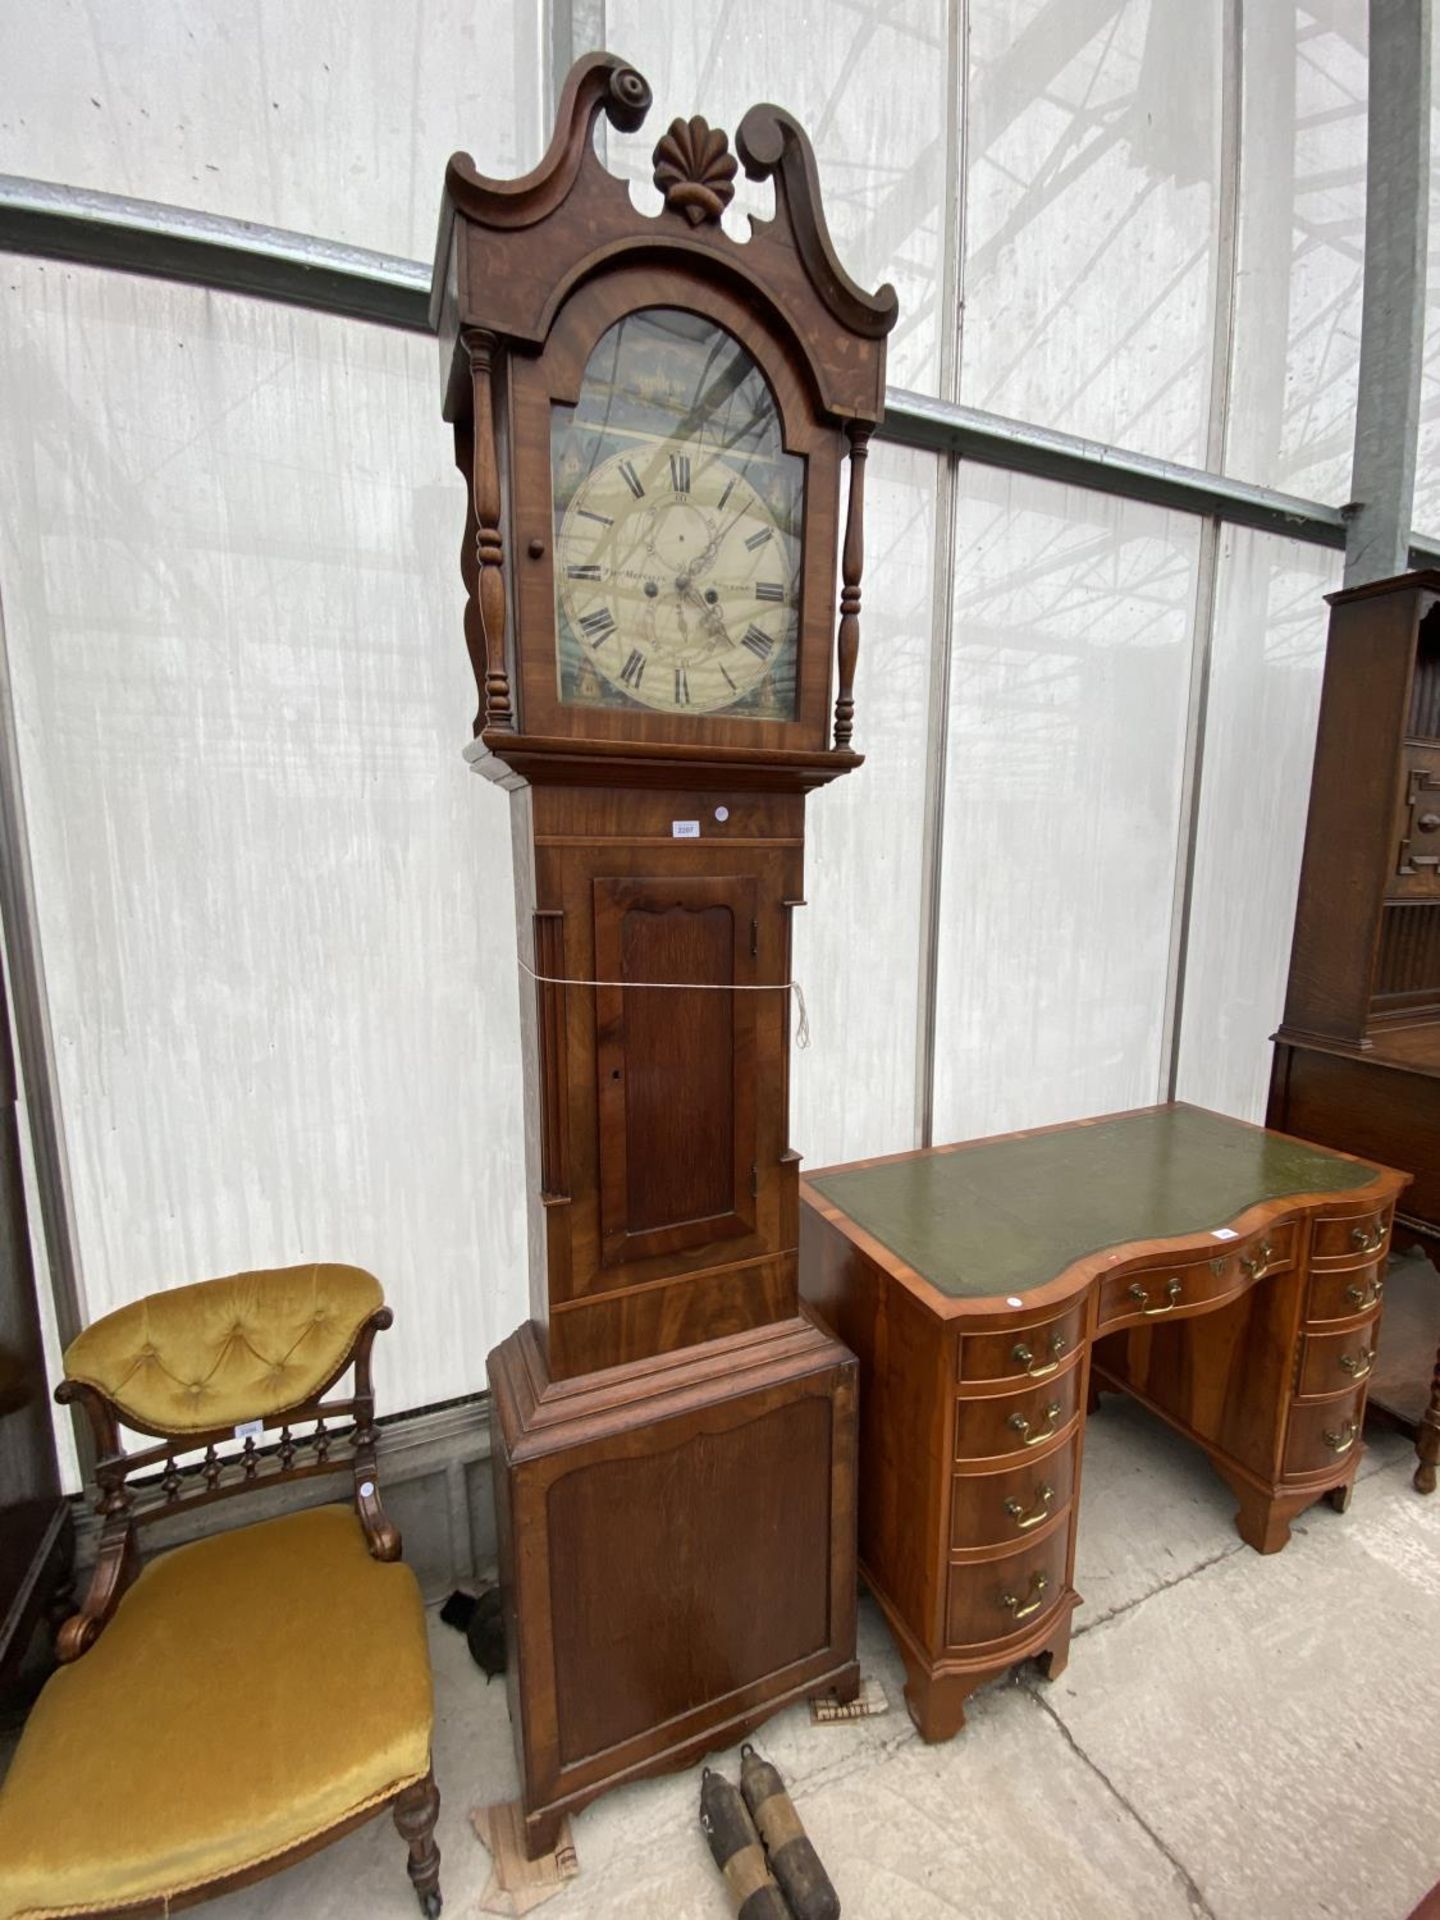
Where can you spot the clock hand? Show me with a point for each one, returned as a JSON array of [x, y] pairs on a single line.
[[709, 615], [707, 554]]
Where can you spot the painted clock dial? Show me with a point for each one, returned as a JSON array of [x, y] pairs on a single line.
[[677, 528]]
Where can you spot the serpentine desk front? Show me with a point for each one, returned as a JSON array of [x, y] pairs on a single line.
[[1228, 1277]]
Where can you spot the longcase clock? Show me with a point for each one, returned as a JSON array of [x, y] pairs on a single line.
[[663, 431]]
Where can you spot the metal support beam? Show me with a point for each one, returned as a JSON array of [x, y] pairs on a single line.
[[1392, 327], [942, 582], [918, 421], [174, 243], [236, 256], [34, 1045]]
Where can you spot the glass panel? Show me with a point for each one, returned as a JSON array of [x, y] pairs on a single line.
[[1426, 517], [1091, 214], [678, 520], [1068, 692], [1301, 247], [1265, 672], [274, 904], [870, 85], [332, 120], [857, 946]]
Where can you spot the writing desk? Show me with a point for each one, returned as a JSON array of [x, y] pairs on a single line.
[[1228, 1277]]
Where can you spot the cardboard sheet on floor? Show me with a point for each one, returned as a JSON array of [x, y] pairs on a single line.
[[869, 1702], [517, 1885]]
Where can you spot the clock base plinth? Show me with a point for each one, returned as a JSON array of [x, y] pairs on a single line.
[[677, 1553]]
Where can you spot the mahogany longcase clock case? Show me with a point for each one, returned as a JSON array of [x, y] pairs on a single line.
[[657, 424]]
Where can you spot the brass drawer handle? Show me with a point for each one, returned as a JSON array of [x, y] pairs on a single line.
[[1039, 1583], [1022, 1425], [1342, 1441], [1255, 1266], [1358, 1365], [1174, 1289], [1023, 1357], [1368, 1240], [1367, 1296], [1038, 1513]]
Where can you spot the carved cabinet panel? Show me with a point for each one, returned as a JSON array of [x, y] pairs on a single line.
[[675, 1068]]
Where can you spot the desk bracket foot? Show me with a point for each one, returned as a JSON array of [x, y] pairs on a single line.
[[1263, 1524], [1263, 1519], [937, 1702], [1053, 1660]]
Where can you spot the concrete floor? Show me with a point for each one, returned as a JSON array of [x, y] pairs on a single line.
[[1234, 1736]]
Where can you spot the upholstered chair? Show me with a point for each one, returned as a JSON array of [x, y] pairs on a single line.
[[243, 1699]]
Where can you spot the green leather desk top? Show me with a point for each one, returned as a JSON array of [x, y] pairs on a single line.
[[1006, 1215]]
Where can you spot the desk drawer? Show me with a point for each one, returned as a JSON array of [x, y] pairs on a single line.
[[1152, 1293], [1354, 1240], [1340, 1293], [992, 1509], [1332, 1361], [1016, 1423], [997, 1598], [1035, 1352], [1324, 1433]]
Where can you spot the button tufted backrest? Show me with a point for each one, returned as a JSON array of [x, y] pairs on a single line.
[[221, 1352]]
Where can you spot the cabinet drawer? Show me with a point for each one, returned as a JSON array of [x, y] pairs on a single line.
[[1323, 1433], [1014, 1423], [1354, 1240], [992, 1509], [1021, 1353], [1331, 1361], [994, 1599], [1339, 1293], [1153, 1292]]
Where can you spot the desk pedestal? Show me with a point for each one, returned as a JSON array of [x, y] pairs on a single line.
[[1255, 1341]]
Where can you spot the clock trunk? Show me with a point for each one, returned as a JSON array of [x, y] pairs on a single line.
[[664, 1195]]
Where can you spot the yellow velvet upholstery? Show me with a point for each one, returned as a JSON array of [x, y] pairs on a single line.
[[224, 1351], [252, 1691]]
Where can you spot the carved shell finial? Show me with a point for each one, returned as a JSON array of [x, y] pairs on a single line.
[[695, 169]]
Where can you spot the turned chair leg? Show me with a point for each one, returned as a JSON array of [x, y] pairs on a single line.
[[1427, 1440], [416, 1812]]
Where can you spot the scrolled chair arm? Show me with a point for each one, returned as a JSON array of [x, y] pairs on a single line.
[[382, 1536], [117, 1560], [116, 1565]]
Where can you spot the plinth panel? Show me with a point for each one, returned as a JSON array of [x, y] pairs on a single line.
[[650, 1621]]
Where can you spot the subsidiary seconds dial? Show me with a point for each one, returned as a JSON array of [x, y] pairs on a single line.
[[676, 579]]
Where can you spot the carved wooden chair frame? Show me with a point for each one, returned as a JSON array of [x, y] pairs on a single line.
[[179, 1488]]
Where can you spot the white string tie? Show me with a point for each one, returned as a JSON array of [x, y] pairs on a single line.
[[802, 1028]]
